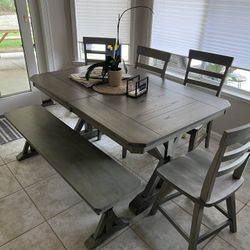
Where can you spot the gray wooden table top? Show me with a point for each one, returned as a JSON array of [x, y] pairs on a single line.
[[141, 124]]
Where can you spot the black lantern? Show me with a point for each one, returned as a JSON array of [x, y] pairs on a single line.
[[137, 86]]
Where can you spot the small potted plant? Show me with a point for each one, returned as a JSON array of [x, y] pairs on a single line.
[[111, 67]]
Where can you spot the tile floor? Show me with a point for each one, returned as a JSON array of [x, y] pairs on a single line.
[[38, 210]]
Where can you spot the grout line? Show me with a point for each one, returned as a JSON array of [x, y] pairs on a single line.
[[23, 233], [245, 205], [226, 241], [142, 239], [56, 235], [45, 220], [11, 193], [39, 181]]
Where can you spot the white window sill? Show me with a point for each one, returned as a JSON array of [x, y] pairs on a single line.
[[226, 91], [236, 94]]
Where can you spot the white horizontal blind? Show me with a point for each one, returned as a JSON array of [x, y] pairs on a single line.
[[219, 26], [177, 24], [227, 30], [98, 18]]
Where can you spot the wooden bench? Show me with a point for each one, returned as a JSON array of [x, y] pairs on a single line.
[[97, 178]]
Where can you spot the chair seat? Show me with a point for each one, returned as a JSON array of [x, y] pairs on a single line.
[[187, 174]]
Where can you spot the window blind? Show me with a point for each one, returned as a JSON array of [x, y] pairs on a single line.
[[98, 18], [227, 30], [177, 24], [218, 26]]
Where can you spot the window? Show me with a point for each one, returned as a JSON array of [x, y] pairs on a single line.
[[217, 26], [98, 18]]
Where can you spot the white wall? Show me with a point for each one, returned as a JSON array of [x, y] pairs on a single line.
[[237, 115], [57, 33]]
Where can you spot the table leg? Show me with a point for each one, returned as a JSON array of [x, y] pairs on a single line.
[[144, 199], [89, 131], [79, 125]]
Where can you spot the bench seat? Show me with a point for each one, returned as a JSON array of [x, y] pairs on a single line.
[[95, 176]]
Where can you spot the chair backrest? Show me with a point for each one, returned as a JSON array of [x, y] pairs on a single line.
[[88, 41], [202, 74], [152, 53], [227, 160]]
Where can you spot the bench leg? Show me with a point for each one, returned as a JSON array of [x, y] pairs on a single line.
[[27, 152], [108, 225]]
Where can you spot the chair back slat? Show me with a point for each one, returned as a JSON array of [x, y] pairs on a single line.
[[237, 135], [225, 162], [236, 152], [202, 84], [207, 73], [97, 40], [153, 53], [232, 166], [211, 57], [204, 57]]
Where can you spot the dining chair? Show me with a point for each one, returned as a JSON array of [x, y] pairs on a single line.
[[206, 181], [88, 51], [142, 61], [203, 74], [88, 42], [147, 53]]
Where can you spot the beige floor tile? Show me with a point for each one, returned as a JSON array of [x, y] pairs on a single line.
[[243, 193], [39, 238], [240, 239], [75, 225], [31, 170], [126, 241], [8, 183], [10, 150], [159, 233], [17, 215], [1, 161], [52, 196], [218, 244]]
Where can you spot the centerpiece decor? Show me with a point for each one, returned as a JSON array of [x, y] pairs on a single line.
[[137, 86], [111, 64]]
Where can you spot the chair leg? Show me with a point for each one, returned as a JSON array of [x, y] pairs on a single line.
[[124, 153], [231, 208], [208, 132], [196, 226], [163, 191], [192, 141]]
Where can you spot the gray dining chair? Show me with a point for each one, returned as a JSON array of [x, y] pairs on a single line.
[[207, 181], [88, 51], [144, 53], [142, 61], [205, 77]]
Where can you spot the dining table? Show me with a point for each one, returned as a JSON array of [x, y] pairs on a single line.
[[139, 125]]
